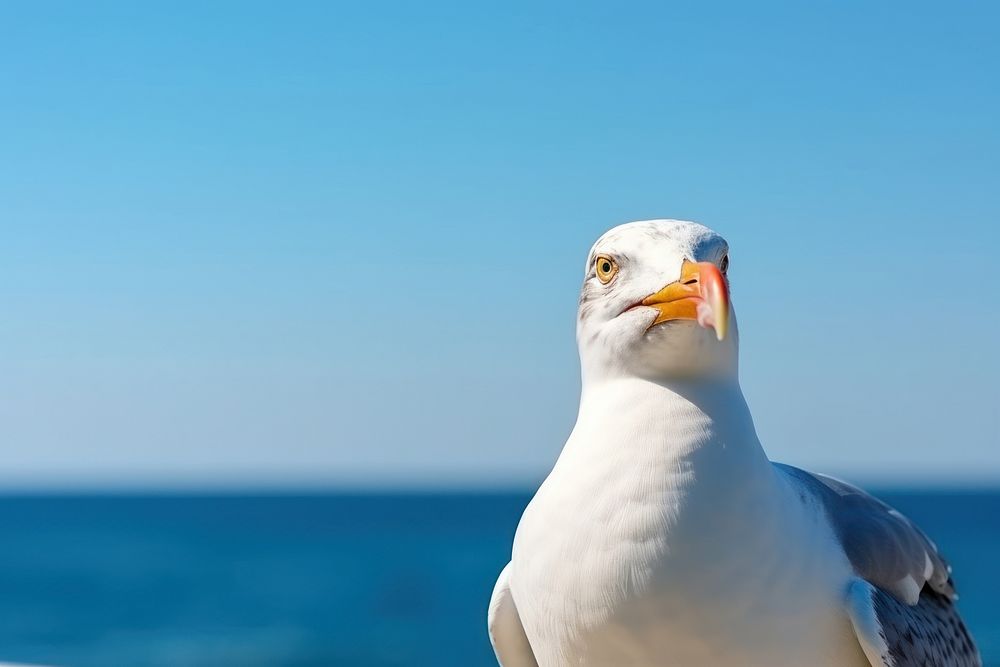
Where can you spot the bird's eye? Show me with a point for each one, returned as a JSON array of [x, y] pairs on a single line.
[[606, 268], [724, 264]]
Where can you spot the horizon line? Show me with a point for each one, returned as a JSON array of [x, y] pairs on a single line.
[[222, 486]]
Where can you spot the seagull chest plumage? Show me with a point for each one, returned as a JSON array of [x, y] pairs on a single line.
[[664, 535], [674, 553]]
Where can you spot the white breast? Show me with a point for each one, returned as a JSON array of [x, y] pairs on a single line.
[[642, 559]]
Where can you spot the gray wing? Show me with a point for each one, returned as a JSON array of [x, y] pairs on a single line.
[[893, 634], [504, 623], [902, 604], [884, 547]]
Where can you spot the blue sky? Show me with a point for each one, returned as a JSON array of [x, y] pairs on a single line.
[[340, 242]]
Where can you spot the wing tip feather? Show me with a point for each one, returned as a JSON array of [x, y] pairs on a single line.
[[867, 627]]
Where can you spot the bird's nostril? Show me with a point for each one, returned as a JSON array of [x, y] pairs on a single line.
[[691, 282]]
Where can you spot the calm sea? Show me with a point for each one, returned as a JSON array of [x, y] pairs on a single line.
[[132, 580]]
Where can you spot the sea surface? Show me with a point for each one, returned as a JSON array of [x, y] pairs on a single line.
[[321, 579]]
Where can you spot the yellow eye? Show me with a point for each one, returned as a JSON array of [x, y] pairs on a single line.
[[606, 268]]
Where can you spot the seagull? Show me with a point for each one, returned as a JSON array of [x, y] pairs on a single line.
[[663, 534]]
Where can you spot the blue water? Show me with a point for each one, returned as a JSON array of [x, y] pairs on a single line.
[[318, 579]]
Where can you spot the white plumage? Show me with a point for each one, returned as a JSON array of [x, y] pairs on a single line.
[[664, 535]]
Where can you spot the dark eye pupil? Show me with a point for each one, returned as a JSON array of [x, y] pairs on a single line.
[[606, 267]]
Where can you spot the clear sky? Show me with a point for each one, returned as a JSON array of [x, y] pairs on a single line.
[[307, 242]]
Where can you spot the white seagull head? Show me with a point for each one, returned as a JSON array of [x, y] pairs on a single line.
[[655, 304]]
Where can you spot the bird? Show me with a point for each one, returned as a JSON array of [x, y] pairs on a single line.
[[664, 536]]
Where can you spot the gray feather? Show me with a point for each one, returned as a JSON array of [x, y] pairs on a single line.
[[928, 634], [884, 547]]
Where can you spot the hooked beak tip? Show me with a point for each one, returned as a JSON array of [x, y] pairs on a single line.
[[713, 312]]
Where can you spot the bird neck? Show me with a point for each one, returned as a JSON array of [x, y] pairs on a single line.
[[669, 432]]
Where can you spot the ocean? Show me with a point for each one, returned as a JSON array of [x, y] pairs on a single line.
[[320, 579]]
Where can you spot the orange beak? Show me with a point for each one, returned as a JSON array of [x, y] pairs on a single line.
[[701, 295]]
